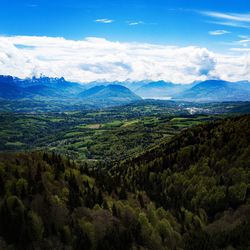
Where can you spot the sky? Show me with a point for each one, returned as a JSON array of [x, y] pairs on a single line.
[[95, 40]]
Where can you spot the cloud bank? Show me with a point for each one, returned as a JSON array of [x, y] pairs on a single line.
[[97, 59]]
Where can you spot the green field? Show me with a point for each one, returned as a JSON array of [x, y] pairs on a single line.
[[108, 134]]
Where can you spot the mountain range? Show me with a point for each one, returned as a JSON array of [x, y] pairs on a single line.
[[45, 88], [116, 93], [205, 91], [16, 88], [160, 90], [216, 91]]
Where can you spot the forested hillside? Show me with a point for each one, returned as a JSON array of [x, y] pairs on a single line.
[[190, 192], [202, 176]]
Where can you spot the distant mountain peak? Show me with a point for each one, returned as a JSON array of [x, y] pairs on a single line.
[[216, 91], [112, 93], [160, 89], [15, 88]]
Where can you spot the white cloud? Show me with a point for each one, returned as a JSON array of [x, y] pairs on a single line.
[[245, 42], [104, 20], [133, 23], [243, 36], [244, 50], [94, 59], [231, 24], [218, 32], [239, 17], [239, 20]]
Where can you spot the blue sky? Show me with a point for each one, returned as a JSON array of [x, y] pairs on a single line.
[[87, 40], [175, 22]]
